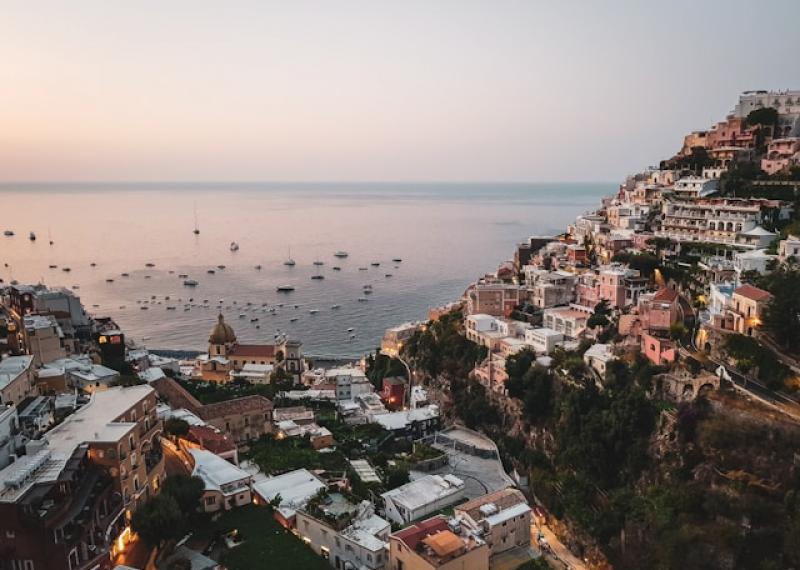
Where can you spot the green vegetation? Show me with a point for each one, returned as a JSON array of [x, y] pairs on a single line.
[[265, 543], [275, 456], [600, 316], [535, 564], [168, 515], [767, 117], [212, 392], [380, 366], [782, 317], [176, 427], [442, 349], [752, 358]]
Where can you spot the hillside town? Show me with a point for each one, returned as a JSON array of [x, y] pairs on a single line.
[[590, 403]]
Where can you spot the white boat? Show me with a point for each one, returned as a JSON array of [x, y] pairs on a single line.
[[234, 246], [334, 307], [318, 262], [190, 283], [313, 312], [289, 261], [341, 254], [350, 329], [285, 289]]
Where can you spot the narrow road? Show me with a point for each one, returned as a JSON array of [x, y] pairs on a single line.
[[556, 554]]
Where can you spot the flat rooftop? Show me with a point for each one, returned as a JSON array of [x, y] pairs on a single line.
[[96, 421]]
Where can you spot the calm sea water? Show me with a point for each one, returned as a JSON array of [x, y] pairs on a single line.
[[446, 235]]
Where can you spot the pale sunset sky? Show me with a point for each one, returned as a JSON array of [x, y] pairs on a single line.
[[329, 90]]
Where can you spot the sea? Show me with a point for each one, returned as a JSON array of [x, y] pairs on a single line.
[[446, 235]]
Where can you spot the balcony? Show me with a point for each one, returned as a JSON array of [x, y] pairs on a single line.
[[154, 456]]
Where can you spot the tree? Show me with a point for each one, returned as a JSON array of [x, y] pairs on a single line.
[[176, 427], [396, 476], [158, 520], [782, 315], [600, 316], [186, 490], [767, 116]]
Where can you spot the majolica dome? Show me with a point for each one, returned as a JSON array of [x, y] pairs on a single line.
[[222, 333]]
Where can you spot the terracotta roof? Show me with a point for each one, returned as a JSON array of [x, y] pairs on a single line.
[[503, 499], [177, 396], [667, 295], [415, 534], [753, 293], [211, 439], [246, 404], [253, 350]]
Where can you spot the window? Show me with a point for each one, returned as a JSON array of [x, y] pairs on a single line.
[[211, 500]]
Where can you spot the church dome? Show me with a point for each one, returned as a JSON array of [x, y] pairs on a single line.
[[222, 333]]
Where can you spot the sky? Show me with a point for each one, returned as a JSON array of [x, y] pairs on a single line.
[[328, 90]]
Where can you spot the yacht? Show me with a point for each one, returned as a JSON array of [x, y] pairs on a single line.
[[362, 299], [388, 275], [397, 260], [124, 275], [318, 277], [8, 233], [196, 230], [340, 254], [375, 263], [149, 264], [362, 268], [67, 269], [258, 268], [318, 262], [293, 320], [190, 283], [144, 307], [289, 261], [170, 308], [53, 266], [336, 268], [285, 289], [182, 276], [32, 236], [350, 329], [220, 267], [234, 246], [211, 272], [92, 264], [109, 280], [367, 291], [334, 307], [313, 312]]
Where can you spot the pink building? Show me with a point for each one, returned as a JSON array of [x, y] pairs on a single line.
[[657, 350], [660, 310], [620, 286], [782, 154]]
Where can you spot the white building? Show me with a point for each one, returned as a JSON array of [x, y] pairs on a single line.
[[254, 373], [502, 519], [752, 260], [294, 488], [9, 440], [598, 356], [543, 340], [226, 486], [696, 187], [348, 535], [789, 247], [414, 423], [421, 497], [16, 379], [350, 382], [569, 321]]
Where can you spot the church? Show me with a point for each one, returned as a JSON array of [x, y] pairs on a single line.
[[227, 356]]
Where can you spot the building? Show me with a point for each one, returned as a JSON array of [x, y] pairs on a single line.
[[789, 248], [782, 155], [422, 497], [787, 103], [59, 514], [495, 299], [757, 260], [213, 440], [552, 288], [660, 310], [226, 354], [226, 486], [347, 534], [658, 350], [748, 304], [543, 340], [620, 286], [10, 438], [122, 429], [294, 489], [410, 424], [695, 187], [437, 544], [394, 391], [718, 220], [394, 338], [349, 382], [319, 437], [44, 338], [502, 519], [244, 419], [16, 379], [569, 321], [598, 356]]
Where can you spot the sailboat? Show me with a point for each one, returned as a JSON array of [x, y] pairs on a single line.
[[196, 228], [289, 261]]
